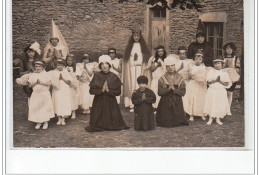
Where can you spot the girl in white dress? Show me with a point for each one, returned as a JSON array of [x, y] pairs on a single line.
[[158, 69], [232, 66], [61, 80], [116, 66], [41, 106], [196, 89], [216, 105], [74, 86], [182, 63], [84, 73]]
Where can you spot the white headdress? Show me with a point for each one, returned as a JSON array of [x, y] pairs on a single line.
[[104, 59], [36, 47], [55, 33], [170, 60]]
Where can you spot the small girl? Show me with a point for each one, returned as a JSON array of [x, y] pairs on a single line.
[[216, 105], [74, 86], [84, 73], [143, 98], [61, 80], [41, 106], [116, 66], [196, 89], [183, 62], [158, 69], [232, 65]]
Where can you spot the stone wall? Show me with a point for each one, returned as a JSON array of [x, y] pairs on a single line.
[[92, 27]]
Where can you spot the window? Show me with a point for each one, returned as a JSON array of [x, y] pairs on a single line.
[[158, 12], [214, 35]]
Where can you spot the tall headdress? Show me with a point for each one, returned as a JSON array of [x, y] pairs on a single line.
[[200, 29]]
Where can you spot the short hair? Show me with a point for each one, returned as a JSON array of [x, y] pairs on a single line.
[[142, 80]]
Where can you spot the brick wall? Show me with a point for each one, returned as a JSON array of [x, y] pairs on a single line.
[[91, 27]]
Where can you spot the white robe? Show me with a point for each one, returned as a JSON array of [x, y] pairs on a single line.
[[217, 105], [61, 92], [86, 97], [41, 106]]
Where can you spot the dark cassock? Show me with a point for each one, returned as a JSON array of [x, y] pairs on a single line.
[[202, 45], [206, 50], [171, 88], [105, 113], [144, 117]]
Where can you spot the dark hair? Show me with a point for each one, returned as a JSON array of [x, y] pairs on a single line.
[[182, 48], [142, 80], [145, 51], [54, 38], [99, 66], [36, 56], [164, 53], [232, 46], [74, 61]]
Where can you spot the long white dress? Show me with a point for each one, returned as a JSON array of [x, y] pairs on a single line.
[[135, 71], [41, 106], [216, 104], [86, 97], [196, 91], [74, 90], [186, 65], [61, 92], [156, 75], [116, 64]]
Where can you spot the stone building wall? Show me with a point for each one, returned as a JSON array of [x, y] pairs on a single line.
[[91, 27]]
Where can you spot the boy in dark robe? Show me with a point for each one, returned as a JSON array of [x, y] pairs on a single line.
[[143, 98], [171, 88], [105, 113]]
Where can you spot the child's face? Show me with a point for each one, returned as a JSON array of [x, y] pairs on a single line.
[[105, 67], [218, 65], [136, 37], [198, 60], [70, 61], [60, 66], [112, 54], [160, 52], [142, 86], [182, 54], [229, 51], [200, 39], [54, 41], [38, 68], [31, 53], [86, 60], [171, 68]]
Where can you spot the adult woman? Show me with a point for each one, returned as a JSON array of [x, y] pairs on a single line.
[[105, 113], [134, 64], [171, 88]]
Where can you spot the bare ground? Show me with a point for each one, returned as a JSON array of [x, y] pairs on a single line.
[[197, 134]]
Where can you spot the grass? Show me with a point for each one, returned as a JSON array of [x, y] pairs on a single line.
[[197, 134]]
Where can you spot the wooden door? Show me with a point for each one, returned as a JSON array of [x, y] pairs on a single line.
[[158, 28]]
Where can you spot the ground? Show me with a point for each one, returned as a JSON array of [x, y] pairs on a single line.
[[197, 134]]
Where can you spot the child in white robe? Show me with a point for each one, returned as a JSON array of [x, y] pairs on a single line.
[[84, 73], [196, 89], [74, 86], [216, 105], [61, 81], [41, 106], [116, 66]]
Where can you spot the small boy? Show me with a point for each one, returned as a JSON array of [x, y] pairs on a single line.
[[143, 98]]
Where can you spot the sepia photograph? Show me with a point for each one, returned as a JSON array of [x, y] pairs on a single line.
[[128, 74]]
